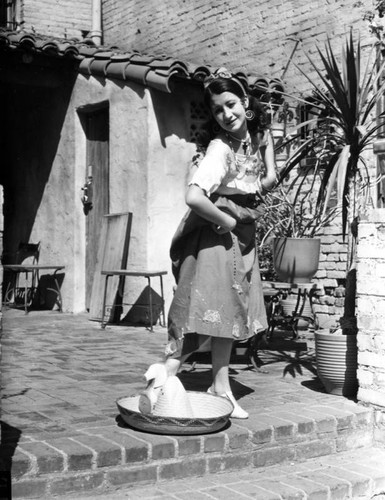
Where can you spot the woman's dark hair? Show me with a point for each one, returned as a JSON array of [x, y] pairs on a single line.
[[260, 121]]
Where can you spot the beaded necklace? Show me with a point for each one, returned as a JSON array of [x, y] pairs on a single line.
[[247, 165], [245, 143]]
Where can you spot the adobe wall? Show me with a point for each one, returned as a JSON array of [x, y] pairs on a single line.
[[149, 162], [38, 191]]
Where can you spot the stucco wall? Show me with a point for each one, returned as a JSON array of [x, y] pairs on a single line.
[[149, 159], [38, 189], [149, 162], [169, 159]]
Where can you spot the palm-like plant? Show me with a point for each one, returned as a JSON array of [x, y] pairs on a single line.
[[347, 109], [347, 104]]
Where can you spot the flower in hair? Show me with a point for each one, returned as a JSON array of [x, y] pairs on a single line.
[[221, 73]]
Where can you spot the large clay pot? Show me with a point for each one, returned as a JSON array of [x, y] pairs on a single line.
[[296, 260], [336, 358]]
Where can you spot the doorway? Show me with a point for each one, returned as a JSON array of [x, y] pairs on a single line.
[[95, 121]]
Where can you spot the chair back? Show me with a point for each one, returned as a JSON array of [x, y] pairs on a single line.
[[28, 253], [113, 249]]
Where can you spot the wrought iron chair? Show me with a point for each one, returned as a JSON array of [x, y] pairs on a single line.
[[20, 283]]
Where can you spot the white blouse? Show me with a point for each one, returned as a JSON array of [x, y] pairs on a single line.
[[223, 171]]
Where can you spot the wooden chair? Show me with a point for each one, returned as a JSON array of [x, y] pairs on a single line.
[[111, 273]]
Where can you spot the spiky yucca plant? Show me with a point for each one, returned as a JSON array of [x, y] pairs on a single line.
[[346, 96]]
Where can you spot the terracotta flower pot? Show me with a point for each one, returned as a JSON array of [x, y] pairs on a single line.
[[336, 358], [296, 260]]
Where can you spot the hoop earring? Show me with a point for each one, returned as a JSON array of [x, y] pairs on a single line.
[[216, 128], [250, 115]]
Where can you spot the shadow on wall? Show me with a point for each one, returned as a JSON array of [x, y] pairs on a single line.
[[34, 117], [173, 112]]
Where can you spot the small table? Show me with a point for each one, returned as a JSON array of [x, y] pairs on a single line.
[[145, 274], [274, 291], [34, 269]]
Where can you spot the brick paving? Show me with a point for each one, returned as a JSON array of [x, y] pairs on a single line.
[[62, 435]]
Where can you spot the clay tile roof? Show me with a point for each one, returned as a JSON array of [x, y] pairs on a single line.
[[142, 59], [68, 49], [154, 71], [22, 40], [200, 72], [98, 66]]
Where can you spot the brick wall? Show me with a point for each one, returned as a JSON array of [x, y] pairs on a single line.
[[371, 308], [258, 37], [64, 19], [329, 304]]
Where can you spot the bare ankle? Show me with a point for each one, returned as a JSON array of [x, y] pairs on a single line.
[[220, 389]]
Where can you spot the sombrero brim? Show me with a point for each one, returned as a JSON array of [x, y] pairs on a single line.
[[211, 413]]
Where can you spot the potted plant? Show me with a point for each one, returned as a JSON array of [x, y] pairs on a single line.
[[289, 245], [346, 103], [290, 227]]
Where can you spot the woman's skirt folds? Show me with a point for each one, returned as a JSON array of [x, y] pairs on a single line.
[[219, 289]]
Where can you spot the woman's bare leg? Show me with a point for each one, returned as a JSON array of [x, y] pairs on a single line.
[[220, 354]]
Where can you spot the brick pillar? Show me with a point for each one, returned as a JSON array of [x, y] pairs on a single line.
[[371, 314]]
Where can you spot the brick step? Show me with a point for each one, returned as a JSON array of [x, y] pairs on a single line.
[[345, 475], [96, 459]]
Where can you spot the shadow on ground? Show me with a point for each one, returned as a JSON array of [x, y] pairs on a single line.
[[10, 437]]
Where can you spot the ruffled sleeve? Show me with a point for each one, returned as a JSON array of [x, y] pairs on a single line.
[[213, 168]]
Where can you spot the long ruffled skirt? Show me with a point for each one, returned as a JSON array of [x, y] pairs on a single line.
[[219, 289]]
